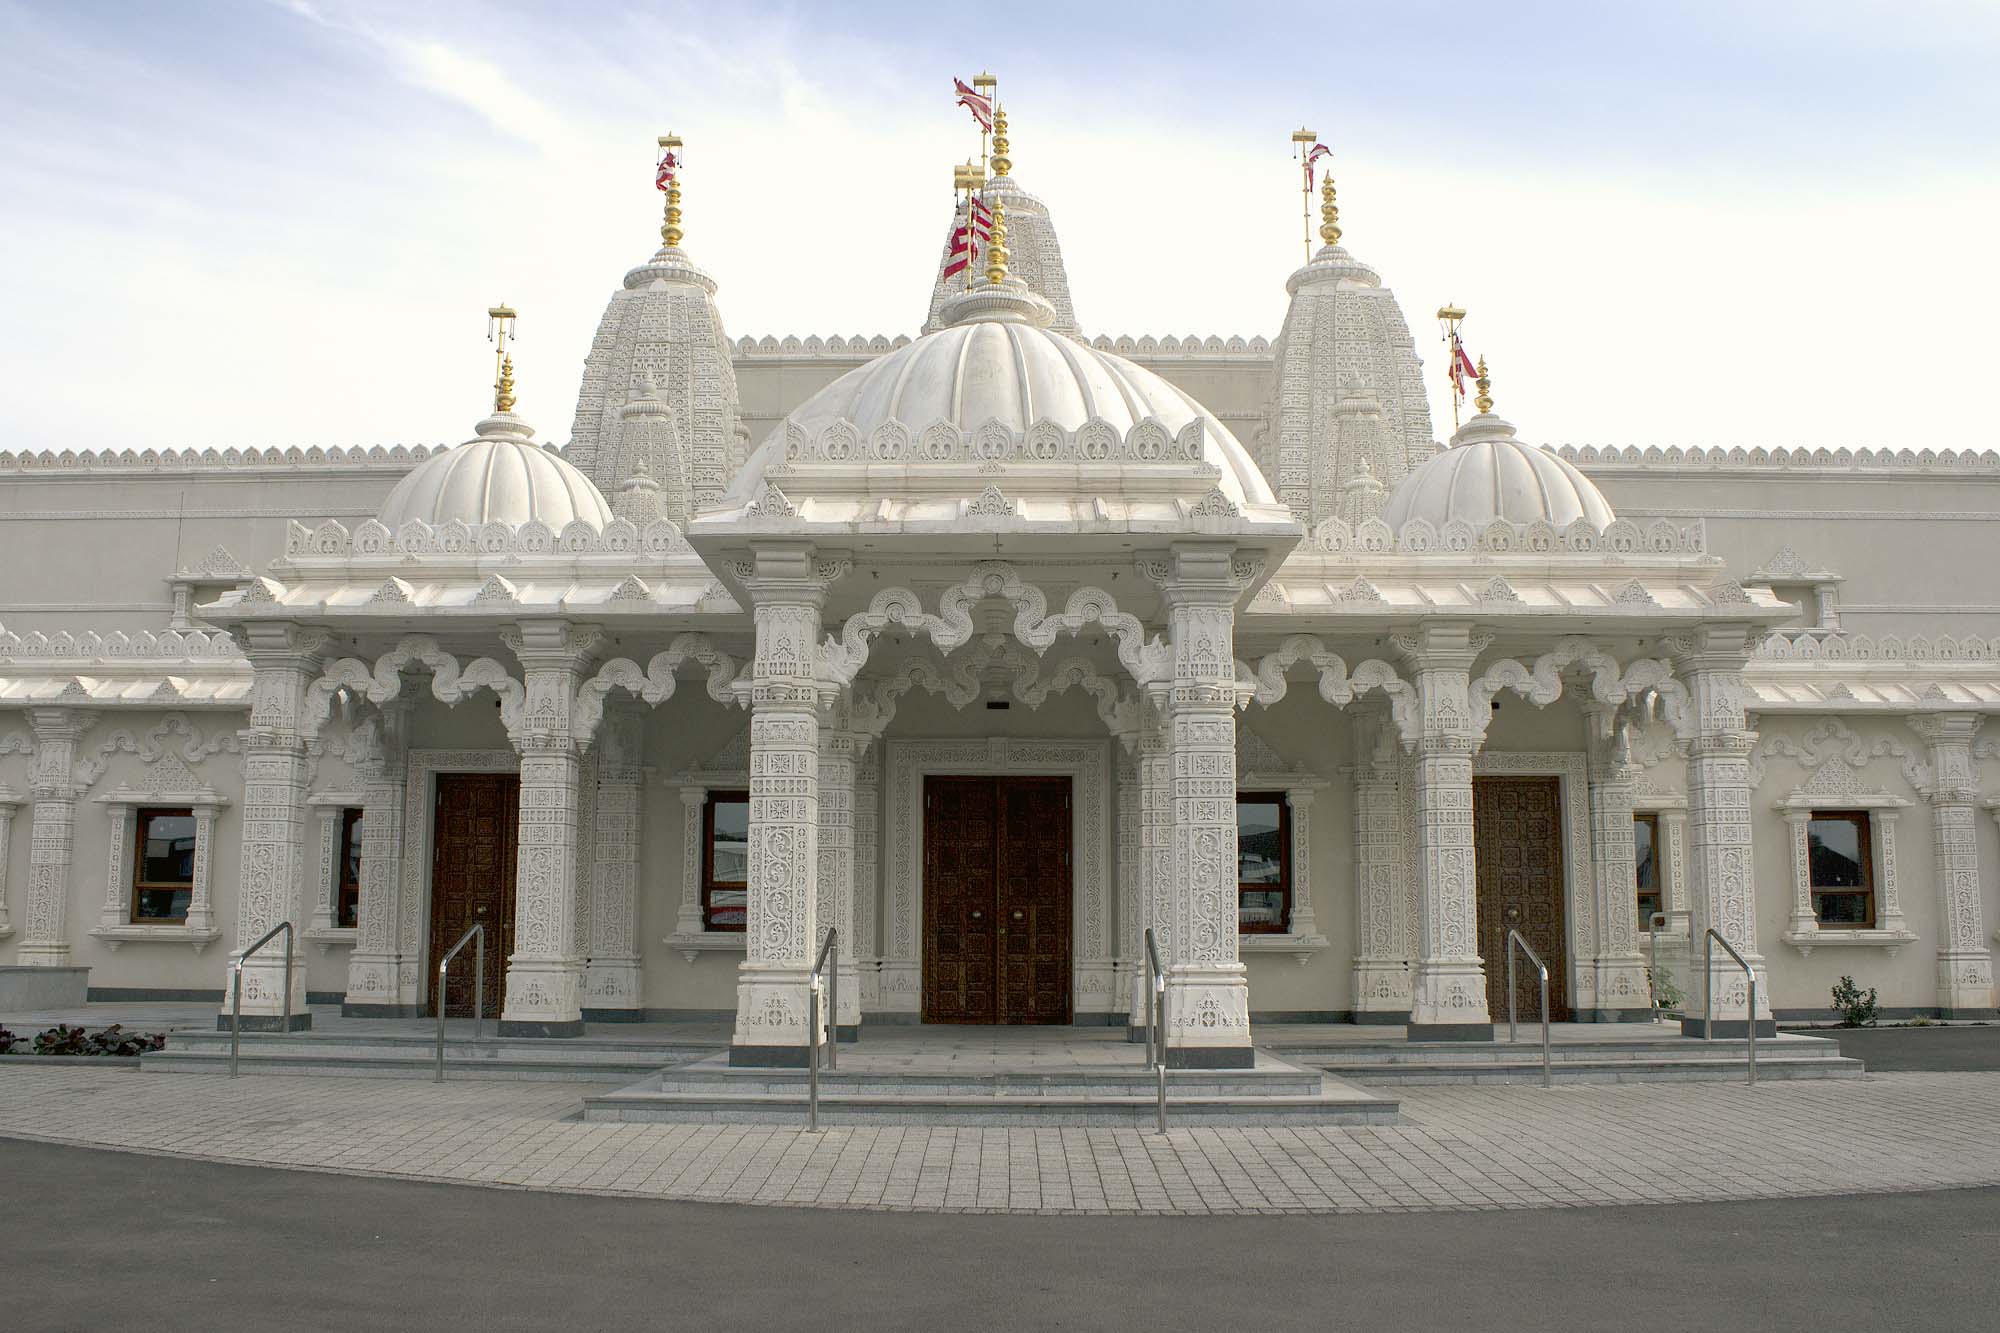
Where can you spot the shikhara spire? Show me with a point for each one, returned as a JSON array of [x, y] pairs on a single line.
[[500, 331]]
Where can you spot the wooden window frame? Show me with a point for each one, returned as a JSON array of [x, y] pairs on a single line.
[[1863, 821], [1283, 925], [344, 892], [1651, 819], [143, 817], [709, 883]]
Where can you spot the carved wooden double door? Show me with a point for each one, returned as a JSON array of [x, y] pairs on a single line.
[[1517, 848], [997, 900], [473, 844]]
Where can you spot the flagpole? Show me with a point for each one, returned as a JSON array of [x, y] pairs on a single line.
[[1302, 141], [988, 87], [1449, 318]]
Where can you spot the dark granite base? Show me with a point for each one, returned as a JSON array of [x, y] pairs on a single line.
[[267, 1023], [1383, 1018], [847, 1032], [154, 994], [1450, 1031], [383, 1010], [767, 1057], [326, 998], [1964, 1015], [1269, 1016], [1616, 1016], [614, 1015], [1210, 1057], [1138, 1035], [521, 1029], [1732, 1027]]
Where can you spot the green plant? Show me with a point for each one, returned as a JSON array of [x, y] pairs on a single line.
[[1923, 1021], [62, 1040], [114, 1040], [1670, 995], [8, 1041], [1856, 1010]]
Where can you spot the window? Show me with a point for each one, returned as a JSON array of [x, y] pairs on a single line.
[[1263, 863], [1646, 862], [1840, 868], [163, 870], [347, 872], [725, 861]]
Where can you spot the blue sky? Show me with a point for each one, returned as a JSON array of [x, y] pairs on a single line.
[[280, 223]]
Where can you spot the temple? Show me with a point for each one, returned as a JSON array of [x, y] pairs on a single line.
[[992, 650]]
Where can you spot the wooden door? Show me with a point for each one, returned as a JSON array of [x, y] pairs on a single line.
[[472, 880], [997, 900], [1517, 848]]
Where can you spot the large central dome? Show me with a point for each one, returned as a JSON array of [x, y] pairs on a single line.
[[1014, 373]]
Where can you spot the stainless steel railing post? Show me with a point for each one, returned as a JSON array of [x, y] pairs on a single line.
[[817, 981], [1156, 1006], [1708, 1000], [1548, 1058], [236, 989], [477, 934]]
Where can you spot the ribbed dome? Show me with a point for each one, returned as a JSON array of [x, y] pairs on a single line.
[[1016, 373], [1488, 474], [500, 476]]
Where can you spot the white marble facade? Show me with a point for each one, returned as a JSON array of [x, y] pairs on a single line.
[[813, 571]]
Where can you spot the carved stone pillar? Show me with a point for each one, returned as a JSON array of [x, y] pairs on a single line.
[[1208, 1016], [1381, 954], [1131, 922], [1965, 956], [52, 786], [867, 878], [1622, 993], [9, 798], [1448, 998], [284, 660], [1671, 857], [694, 802], [787, 586], [544, 971], [380, 982], [835, 890], [1723, 880], [1153, 882], [611, 987]]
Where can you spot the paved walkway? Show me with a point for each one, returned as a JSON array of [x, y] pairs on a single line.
[[1461, 1148]]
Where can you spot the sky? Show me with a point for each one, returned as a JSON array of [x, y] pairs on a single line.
[[280, 222]]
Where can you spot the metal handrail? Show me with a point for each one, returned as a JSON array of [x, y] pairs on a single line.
[[236, 988], [478, 933], [1513, 939], [1653, 925], [1156, 1044], [825, 975], [1708, 996]]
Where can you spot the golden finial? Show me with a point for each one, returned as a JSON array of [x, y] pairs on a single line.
[[670, 229], [500, 331], [985, 83], [1329, 224], [996, 246], [1484, 402], [1002, 164]]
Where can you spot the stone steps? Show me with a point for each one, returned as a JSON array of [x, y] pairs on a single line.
[[1595, 1052], [1273, 1093], [386, 1055], [1599, 1071]]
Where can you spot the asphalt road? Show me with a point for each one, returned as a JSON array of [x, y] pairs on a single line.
[[93, 1239], [1888, 1050]]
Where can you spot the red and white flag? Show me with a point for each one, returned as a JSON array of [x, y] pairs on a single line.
[[980, 105], [965, 245], [1462, 368], [982, 216], [663, 177], [1318, 151]]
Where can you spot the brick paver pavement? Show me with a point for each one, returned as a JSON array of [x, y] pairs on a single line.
[[1461, 1148]]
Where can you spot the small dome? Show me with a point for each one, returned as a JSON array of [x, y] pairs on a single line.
[[1486, 474], [500, 476], [1007, 369]]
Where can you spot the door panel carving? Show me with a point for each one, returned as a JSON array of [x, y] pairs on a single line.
[[997, 900], [472, 879], [1518, 852]]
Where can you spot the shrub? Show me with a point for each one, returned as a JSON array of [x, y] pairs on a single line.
[[114, 1040], [1664, 986], [1856, 1010], [62, 1040], [8, 1041]]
